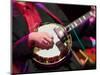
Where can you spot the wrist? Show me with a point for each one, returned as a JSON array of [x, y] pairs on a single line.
[[30, 40]]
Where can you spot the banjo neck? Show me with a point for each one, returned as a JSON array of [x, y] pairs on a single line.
[[79, 21], [62, 32]]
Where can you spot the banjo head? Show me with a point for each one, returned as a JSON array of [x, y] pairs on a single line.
[[54, 55]]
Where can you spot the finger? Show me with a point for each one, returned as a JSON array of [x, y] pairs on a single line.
[[49, 45], [46, 44], [52, 44], [49, 40]]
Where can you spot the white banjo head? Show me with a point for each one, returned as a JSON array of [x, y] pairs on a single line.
[[54, 55], [49, 28]]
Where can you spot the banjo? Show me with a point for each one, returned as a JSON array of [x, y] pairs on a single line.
[[62, 41]]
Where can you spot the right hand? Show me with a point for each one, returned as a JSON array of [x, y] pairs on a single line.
[[41, 40]]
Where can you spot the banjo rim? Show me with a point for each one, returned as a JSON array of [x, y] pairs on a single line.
[[55, 62], [49, 63]]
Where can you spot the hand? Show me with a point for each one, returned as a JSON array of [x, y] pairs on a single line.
[[41, 40]]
